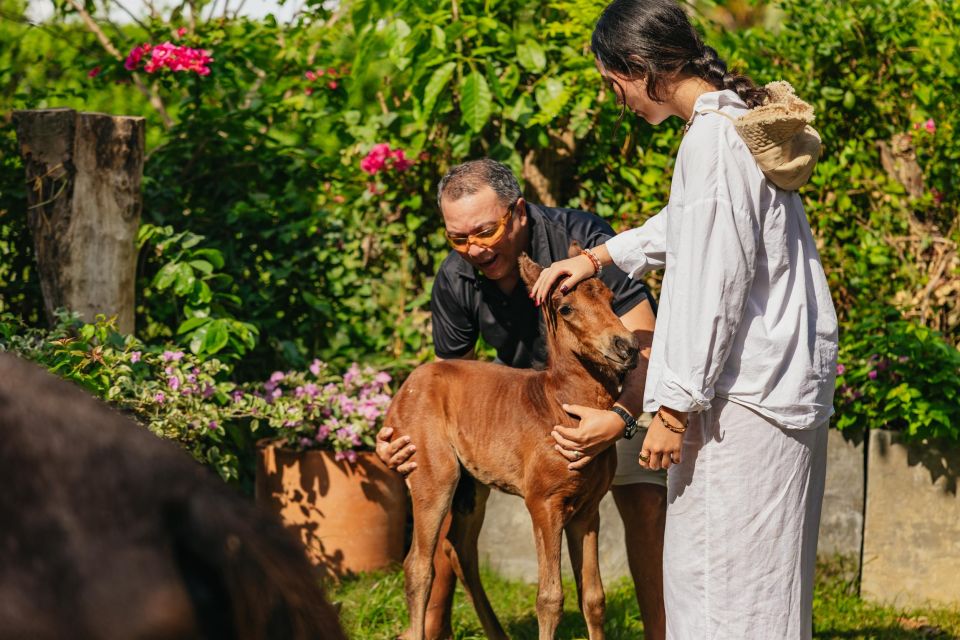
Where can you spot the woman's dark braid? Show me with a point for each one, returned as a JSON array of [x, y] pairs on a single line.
[[711, 67]]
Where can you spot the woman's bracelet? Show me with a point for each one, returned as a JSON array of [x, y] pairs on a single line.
[[597, 267], [669, 426]]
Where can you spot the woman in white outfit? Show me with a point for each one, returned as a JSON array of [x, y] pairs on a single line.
[[743, 364]]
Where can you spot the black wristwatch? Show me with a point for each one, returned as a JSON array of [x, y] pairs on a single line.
[[631, 424]]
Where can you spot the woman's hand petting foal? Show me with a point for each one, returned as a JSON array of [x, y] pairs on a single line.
[[576, 269], [598, 429], [395, 454]]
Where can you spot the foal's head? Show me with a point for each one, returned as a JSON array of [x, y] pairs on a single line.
[[583, 323]]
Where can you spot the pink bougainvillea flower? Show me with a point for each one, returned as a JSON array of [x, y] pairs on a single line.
[[134, 58], [135, 356], [400, 160], [308, 91], [930, 125], [93, 73], [841, 369], [311, 76], [170, 56], [381, 156], [872, 375], [315, 367], [159, 398], [333, 84], [172, 356], [375, 160], [182, 31]]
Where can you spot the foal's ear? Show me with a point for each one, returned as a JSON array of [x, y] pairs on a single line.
[[574, 250], [529, 270]]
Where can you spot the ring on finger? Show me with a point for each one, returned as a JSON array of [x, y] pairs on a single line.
[[578, 454], [645, 458]]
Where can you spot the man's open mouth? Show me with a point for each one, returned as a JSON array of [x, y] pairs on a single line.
[[487, 264]]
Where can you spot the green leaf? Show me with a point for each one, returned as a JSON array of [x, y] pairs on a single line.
[[438, 80], [202, 266], [551, 96], [217, 336], [531, 57], [191, 324], [475, 101]]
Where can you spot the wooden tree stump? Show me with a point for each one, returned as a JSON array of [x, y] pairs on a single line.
[[84, 172]]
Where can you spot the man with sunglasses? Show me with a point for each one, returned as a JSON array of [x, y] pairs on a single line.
[[478, 293]]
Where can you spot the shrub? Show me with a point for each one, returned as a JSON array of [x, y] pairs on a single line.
[[896, 374], [317, 409]]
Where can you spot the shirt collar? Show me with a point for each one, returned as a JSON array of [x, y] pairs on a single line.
[[718, 99]]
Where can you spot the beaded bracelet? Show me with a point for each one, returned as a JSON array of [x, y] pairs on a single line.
[[597, 267], [669, 426]]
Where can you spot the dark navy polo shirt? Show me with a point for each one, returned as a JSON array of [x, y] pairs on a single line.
[[465, 305]]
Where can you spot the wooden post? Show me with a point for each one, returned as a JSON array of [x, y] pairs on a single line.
[[84, 172]]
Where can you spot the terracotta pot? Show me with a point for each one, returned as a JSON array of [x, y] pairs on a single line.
[[350, 517]]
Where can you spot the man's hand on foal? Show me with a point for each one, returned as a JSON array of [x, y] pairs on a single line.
[[395, 455], [598, 429]]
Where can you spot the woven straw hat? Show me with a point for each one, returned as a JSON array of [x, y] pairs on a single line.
[[779, 135]]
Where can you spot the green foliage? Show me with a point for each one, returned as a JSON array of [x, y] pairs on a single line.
[[873, 71], [192, 399], [175, 395], [277, 247], [899, 375], [192, 274]]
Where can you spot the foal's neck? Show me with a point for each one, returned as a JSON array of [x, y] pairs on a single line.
[[571, 380]]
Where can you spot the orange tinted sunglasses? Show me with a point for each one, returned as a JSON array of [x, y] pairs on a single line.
[[486, 237]]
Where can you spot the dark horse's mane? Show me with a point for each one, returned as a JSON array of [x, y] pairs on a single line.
[[107, 531]]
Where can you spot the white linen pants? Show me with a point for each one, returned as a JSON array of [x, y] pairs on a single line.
[[743, 515]]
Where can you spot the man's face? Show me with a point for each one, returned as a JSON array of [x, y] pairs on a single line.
[[482, 210]]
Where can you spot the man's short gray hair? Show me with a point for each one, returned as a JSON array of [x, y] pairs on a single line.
[[468, 178]]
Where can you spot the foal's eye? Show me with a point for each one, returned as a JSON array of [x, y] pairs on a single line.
[[565, 310]]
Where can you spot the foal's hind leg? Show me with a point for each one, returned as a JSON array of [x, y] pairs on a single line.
[[547, 532], [582, 541], [464, 532], [431, 491]]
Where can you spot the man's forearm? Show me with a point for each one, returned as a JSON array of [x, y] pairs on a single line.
[[641, 321]]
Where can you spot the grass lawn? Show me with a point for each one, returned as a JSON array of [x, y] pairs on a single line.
[[373, 608]]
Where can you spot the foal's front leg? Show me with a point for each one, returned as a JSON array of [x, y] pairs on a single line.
[[582, 540], [547, 533]]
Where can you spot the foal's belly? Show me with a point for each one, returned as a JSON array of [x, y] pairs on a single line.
[[520, 464]]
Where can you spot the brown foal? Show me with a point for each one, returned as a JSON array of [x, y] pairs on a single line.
[[479, 425]]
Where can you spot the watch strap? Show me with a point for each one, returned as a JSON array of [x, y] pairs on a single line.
[[630, 428]]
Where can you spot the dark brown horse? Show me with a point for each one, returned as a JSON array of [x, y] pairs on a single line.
[[108, 532], [479, 425]]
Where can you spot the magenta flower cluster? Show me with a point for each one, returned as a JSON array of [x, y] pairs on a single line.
[[316, 409], [382, 157], [170, 56]]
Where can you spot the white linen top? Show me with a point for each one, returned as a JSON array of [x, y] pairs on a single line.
[[745, 312]]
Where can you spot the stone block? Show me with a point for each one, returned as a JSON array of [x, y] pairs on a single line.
[[911, 543], [506, 541], [841, 521]]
